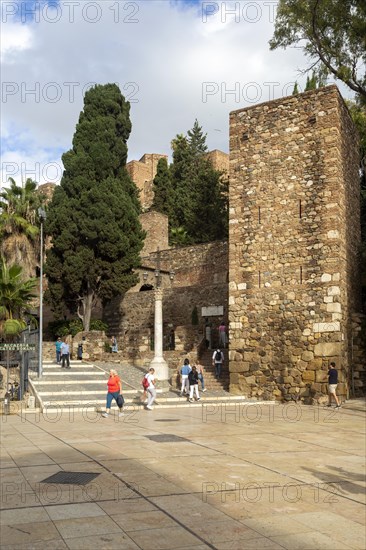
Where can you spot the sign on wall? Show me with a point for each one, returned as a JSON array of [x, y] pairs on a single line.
[[212, 311]]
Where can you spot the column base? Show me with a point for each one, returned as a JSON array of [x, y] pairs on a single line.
[[161, 371]]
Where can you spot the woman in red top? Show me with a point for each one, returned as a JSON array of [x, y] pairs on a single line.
[[114, 392]]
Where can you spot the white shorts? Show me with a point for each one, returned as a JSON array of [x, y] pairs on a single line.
[[332, 388]]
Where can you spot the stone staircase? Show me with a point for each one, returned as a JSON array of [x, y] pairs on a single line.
[[82, 387], [209, 371]]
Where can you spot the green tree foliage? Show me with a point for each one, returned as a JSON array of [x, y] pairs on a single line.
[[197, 140], [358, 113], [199, 191], [295, 91], [73, 326], [333, 35], [93, 217], [163, 190], [19, 225], [16, 296], [178, 236]]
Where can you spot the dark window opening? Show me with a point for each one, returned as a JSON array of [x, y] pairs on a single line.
[[146, 287]]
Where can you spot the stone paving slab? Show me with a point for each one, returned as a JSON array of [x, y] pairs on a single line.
[[283, 477]]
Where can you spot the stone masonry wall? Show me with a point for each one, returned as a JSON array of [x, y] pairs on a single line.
[[142, 172], [157, 231], [219, 160], [293, 239], [200, 280]]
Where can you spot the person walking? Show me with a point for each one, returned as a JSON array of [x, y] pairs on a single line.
[[65, 355], [208, 335], [217, 361], [200, 369], [114, 392], [222, 335], [193, 384], [332, 385], [58, 345], [151, 389], [184, 372]]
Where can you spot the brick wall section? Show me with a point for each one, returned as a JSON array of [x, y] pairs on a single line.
[[293, 234]]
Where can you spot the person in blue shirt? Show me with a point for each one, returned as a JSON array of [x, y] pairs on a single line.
[[184, 372], [58, 345], [114, 344]]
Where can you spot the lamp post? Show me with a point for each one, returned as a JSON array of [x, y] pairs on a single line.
[[42, 217], [158, 362]]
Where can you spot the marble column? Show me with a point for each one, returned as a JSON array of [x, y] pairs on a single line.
[[158, 362]]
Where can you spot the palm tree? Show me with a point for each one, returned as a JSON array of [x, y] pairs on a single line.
[[16, 296], [178, 236], [18, 225]]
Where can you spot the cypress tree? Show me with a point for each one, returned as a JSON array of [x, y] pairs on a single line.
[[197, 140], [200, 192], [163, 190], [93, 216]]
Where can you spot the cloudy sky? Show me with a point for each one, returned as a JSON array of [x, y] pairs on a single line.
[[173, 60]]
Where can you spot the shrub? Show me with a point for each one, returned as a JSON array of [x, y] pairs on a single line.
[[72, 326]]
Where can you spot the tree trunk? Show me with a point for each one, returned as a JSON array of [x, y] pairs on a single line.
[[88, 305]]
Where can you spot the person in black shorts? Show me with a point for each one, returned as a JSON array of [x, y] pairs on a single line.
[[332, 385]]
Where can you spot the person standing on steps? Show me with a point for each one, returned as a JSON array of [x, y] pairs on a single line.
[[114, 345], [222, 334], [65, 355], [208, 335], [217, 361], [114, 392], [332, 385], [58, 345]]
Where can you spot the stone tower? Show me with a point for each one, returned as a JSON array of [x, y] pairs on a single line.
[[294, 237], [143, 172]]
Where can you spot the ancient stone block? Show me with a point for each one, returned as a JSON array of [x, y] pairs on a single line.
[[327, 349], [308, 376]]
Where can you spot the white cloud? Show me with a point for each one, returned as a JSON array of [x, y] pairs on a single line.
[[15, 38], [160, 55]]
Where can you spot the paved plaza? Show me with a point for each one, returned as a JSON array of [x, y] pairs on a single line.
[[230, 476]]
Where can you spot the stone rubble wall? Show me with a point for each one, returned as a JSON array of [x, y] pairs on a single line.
[[358, 354], [200, 281], [293, 240], [157, 232], [143, 172]]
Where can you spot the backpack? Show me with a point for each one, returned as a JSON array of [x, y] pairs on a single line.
[[218, 357], [145, 383]]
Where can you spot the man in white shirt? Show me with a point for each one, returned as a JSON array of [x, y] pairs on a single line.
[[65, 355], [151, 390]]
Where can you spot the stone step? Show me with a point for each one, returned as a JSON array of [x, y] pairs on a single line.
[[88, 393], [72, 372], [161, 402]]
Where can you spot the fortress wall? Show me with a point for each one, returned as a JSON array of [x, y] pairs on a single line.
[[293, 235]]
